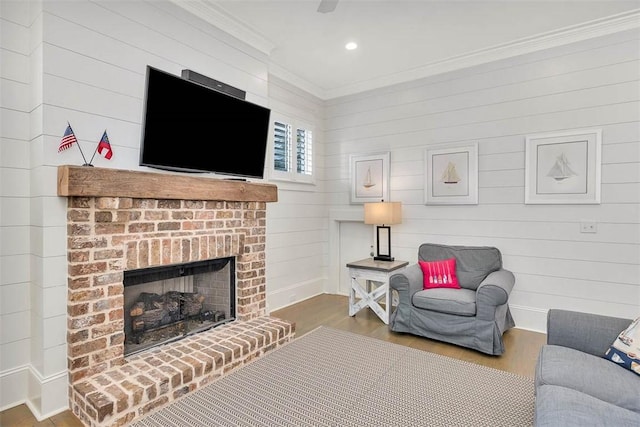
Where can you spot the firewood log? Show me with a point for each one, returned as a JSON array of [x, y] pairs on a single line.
[[153, 318], [137, 309], [137, 325], [192, 303], [151, 301]]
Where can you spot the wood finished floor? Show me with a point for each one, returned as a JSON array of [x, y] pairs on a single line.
[[520, 357]]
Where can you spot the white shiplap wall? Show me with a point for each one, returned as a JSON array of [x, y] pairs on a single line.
[[591, 84], [83, 62], [297, 226], [15, 342]]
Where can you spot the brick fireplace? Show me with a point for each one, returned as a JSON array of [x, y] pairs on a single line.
[[128, 220]]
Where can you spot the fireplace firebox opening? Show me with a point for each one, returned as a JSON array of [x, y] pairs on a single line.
[[166, 303]]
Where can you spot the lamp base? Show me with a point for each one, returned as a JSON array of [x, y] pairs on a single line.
[[383, 258]]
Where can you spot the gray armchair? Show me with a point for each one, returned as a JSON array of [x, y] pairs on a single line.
[[474, 316]]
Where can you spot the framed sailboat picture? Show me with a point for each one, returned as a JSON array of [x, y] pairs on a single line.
[[563, 168], [369, 177], [451, 174]]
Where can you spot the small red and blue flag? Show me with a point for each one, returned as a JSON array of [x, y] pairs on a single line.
[[104, 147]]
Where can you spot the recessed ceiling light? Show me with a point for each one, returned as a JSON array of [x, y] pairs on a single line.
[[351, 46]]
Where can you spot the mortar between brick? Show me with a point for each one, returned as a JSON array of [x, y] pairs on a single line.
[[150, 380]]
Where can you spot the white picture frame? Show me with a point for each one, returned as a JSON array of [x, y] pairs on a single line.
[[563, 167], [451, 174], [369, 177]]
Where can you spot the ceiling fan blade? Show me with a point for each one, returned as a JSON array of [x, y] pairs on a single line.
[[327, 6]]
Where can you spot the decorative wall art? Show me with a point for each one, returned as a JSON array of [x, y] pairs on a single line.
[[369, 177], [563, 168], [451, 175]]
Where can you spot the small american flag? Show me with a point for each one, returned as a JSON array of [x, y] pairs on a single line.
[[68, 139]]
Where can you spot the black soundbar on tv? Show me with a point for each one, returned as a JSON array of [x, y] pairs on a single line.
[[213, 84]]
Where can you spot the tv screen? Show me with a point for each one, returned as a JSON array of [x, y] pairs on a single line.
[[189, 127]]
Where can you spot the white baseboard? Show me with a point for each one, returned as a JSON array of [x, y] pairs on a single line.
[[293, 294], [13, 387], [529, 318], [45, 397]]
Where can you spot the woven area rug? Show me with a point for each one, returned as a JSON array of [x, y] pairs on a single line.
[[330, 377]]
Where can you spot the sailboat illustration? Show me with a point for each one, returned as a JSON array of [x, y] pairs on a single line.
[[450, 175], [561, 169], [367, 181]]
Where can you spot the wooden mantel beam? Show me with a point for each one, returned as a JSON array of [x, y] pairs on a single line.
[[89, 181]]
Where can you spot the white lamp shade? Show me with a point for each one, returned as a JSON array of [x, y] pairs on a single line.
[[383, 213]]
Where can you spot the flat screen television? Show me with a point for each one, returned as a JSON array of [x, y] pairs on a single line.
[[189, 127]]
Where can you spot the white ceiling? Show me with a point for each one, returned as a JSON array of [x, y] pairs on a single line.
[[402, 40]]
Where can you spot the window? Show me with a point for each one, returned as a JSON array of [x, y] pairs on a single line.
[[281, 147], [292, 151], [304, 151]]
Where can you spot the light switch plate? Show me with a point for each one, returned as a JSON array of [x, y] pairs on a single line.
[[588, 227]]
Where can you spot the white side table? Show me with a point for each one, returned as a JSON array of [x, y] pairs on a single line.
[[376, 275]]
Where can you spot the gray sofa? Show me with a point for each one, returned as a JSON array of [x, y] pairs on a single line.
[[574, 384], [474, 316]]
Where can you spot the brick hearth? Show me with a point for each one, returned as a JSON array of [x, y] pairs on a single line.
[[154, 378], [108, 235]]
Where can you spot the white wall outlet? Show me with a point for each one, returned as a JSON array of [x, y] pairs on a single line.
[[588, 227]]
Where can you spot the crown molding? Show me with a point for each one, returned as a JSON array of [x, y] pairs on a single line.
[[587, 30], [215, 15], [575, 33], [297, 81]]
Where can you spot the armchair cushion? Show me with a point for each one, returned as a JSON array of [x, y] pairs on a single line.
[[461, 302], [561, 406], [593, 375], [574, 384], [439, 274]]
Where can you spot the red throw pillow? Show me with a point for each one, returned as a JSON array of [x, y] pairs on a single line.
[[439, 274]]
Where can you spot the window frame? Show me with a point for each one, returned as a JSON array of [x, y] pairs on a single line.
[[292, 175]]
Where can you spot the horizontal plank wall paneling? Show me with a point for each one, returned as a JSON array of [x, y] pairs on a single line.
[[15, 293], [594, 84], [297, 237], [81, 62]]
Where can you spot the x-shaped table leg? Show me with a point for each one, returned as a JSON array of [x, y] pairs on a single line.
[[369, 299]]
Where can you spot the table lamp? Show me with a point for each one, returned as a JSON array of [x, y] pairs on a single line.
[[383, 214]]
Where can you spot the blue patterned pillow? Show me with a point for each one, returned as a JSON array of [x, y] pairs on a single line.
[[625, 350]]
